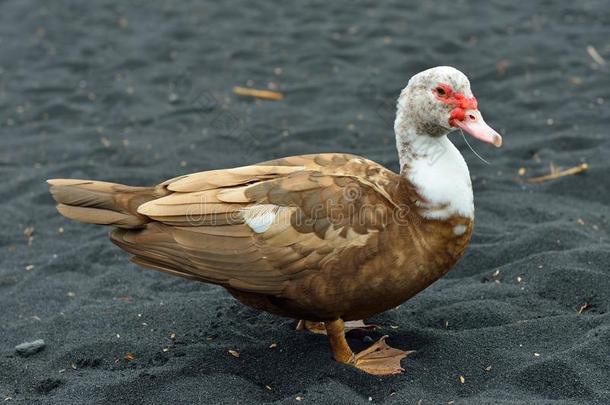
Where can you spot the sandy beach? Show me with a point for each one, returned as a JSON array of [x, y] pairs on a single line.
[[139, 92]]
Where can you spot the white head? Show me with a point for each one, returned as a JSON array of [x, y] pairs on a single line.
[[438, 101], [434, 103]]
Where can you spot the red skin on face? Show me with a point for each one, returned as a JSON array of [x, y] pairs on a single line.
[[445, 94]]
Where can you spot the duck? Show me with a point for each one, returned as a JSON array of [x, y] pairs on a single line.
[[330, 238]]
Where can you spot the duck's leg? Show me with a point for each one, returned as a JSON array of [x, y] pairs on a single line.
[[319, 328], [378, 359]]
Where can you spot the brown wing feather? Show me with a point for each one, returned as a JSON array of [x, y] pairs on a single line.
[[331, 208]]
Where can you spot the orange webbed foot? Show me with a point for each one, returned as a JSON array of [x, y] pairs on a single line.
[[380, 359]]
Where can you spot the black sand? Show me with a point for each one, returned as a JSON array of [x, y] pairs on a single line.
[[142, 92]]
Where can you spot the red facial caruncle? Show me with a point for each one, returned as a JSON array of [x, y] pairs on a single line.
[[446, 95], [465, 114]]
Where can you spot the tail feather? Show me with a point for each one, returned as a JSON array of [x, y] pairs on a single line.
[[102, 203], [96, 202], [100, 216]]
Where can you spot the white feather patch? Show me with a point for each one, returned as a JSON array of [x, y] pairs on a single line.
[[459, 230], [260, 217], [443, 180]]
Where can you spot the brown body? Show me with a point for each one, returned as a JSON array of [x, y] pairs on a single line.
[[348, 241], [407, 259], [324, 238]]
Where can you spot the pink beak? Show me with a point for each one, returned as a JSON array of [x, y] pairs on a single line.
[[474, 124]]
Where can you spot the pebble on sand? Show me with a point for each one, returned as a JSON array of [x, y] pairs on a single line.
[[28, 348]]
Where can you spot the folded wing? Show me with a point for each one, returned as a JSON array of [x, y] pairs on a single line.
[[258, 227]]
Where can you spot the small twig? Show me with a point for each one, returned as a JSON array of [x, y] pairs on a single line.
[[583, 308], [264, 94], [595, 55], [557, 174]]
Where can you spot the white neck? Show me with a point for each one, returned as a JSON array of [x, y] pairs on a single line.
[[437, 170]]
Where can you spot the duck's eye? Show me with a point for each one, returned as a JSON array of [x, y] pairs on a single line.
[[440, 91]]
